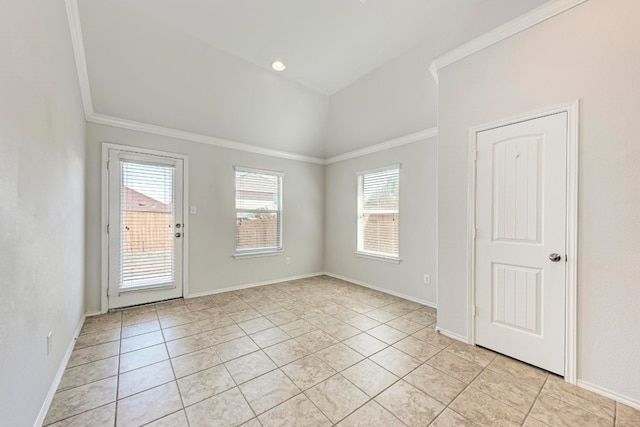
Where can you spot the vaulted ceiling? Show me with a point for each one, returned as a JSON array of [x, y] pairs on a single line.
[[204, 66]]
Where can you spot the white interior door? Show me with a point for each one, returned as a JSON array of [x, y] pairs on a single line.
[[145, 228], [521, 189]]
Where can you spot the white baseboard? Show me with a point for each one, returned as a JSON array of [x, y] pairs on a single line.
[[383, 290], [610, 394], [93, 313], [56, 381], [250, 285], [452, 335]]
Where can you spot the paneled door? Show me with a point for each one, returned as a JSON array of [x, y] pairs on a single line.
[[145, 228], [521, 190]]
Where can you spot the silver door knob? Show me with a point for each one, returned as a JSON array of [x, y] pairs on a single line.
[[178, 235], [555, 257]]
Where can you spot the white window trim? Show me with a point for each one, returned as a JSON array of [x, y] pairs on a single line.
[[261, 252], [373, 255]]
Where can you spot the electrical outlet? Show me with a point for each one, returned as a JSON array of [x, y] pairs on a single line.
[[49, 342], [427, 279], [287, 260], [193, 210]]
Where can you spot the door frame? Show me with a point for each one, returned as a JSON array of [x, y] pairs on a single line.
[[571, 249], [106, 146]]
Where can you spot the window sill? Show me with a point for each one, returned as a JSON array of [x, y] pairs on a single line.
[[257, 254], [391, 259]]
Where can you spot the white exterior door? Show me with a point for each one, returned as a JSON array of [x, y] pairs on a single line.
[[520, 282], [145, 228]]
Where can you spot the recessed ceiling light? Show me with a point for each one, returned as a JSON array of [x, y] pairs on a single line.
[[278, 65]]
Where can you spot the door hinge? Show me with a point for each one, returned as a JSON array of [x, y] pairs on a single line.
[[107, 228], [107, 292], [474, 233], [473, 311], [108, 164]]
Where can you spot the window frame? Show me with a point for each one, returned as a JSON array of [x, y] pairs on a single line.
[[263, 251], [360, 251]]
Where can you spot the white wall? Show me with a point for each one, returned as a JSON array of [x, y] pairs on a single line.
[[418, 173], [396, 99], [174, 80], [42, 152], [212, 230], [592, 53]]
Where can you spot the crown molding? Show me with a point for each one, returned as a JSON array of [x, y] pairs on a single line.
[[397, 142], [75, 28], [103, 119], [533, 17]]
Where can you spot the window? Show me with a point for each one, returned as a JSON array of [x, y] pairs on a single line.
[[258, 211], [378, 212]]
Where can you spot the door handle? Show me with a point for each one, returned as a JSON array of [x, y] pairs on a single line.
[[178, 234], [555, 257]]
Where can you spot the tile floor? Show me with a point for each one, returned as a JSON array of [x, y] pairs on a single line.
[[311, 352]]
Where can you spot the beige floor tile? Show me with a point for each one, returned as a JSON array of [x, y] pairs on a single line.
[[455, 366], [269, 390], [141, 341], [250, 366], [316, 340], [433, 337], [421, 317], [140, 328], [131, 317], [204, 384], [365, 344], [576, 396], [176, 320], [244, 315], [286, 352], [282, 317], [369, 377], [138, 380], [395, 361], [435, 383], [341, 331], [252, 423], [224, 334], [405, 325], [146, 356], [235, 348], [227, 409], [416, 348], [472, 353], [409, 404], [102, 323], [269, 337], [627, 416], [485, 410], [298, 411], [449, 418], [297, 328], [339, 356], [148, 406], [362, 322], [336, 397], [554, 412], [175, 311], [401, 308], [532, 422], [214, 322], [386, 334], [80, 399], [89, 372], [93, 353], [514, 394], [95, 338], [188, 345], [181, 331], [177, 419], [102, 416], [195, 362], [380, 315], [518, 371], [256, 325], [369, 415], [308, 371]]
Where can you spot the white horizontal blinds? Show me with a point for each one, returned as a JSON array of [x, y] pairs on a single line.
[[378, 227], [146, 224], [258, 216]]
